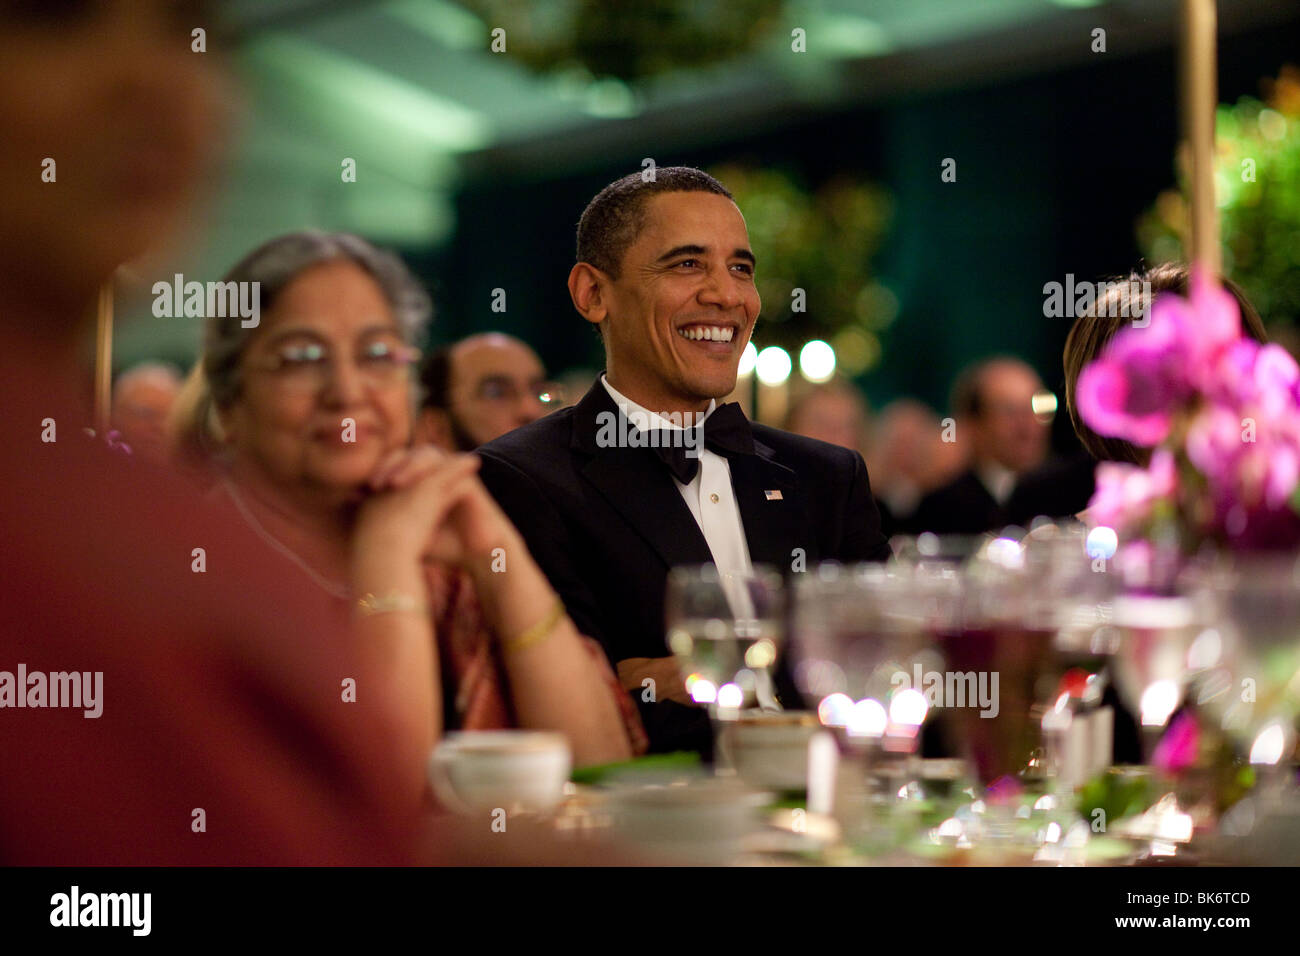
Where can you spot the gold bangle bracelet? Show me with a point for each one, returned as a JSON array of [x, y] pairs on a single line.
[[538, 632], [391, 603]]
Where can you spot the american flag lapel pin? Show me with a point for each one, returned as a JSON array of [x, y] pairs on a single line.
[[774, 495]]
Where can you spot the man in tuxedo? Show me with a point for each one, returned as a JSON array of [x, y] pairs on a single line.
[[666, 275], [993, 402]]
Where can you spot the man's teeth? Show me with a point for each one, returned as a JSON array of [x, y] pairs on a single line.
[[709, 333]]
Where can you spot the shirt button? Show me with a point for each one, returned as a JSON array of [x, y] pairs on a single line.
[[714, 497]]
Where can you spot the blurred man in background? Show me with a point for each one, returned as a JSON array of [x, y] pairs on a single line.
[[909, 457], [993, 403], [835, 412], [142, 399], [480, 388]]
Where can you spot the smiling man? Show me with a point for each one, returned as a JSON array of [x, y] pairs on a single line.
[[666, 274]]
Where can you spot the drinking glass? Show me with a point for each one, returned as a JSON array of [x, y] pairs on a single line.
[[726, 630], [1163, 617], [858, 646], [1252, 656]]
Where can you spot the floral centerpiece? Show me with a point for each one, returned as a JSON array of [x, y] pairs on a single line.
[[1221, 413]]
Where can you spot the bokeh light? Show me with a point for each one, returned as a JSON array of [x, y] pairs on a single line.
[[817, 361], [773, 365]]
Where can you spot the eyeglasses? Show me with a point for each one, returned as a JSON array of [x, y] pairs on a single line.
[[500, 389], [310, 365]]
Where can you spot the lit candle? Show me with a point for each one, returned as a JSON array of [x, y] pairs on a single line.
[[772, 368], [104, 359], [1199, 98]]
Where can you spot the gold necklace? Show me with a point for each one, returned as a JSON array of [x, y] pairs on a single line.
[[329, 587]]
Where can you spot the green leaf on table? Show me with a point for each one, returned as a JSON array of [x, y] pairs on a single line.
[[678, 760]]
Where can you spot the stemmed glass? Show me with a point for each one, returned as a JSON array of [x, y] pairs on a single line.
[[1160, 617], [857, 646], [1254, 653], [1070, 598], [1163, 617], [726, 631]]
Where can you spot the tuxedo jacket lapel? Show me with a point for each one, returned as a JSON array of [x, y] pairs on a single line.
[[642, 490], [772, 508], [639, 486]]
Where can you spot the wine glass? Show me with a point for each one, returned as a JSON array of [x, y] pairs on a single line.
[[857, 645], [1253, 652], [1070, 599], [726, 630], [1160, 620]]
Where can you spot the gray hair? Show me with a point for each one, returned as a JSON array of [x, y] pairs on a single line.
[[275, 264], [156, 373]]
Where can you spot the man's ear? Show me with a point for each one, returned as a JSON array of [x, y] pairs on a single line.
[[588, 290], [433, 427]]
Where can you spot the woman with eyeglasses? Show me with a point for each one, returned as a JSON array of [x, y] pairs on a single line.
[[312, 412]]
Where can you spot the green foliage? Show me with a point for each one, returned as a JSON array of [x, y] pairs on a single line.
[[628, 39], [1119, 793], [1260, 219], [680, 760], [822, 242]]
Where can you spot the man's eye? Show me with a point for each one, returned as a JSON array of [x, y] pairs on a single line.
[[744, 267], [689, 262]]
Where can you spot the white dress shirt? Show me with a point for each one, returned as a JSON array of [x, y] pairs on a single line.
[[712, 501], [709, 494], [997, 480]]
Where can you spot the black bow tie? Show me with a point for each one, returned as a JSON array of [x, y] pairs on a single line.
[[726, 431]]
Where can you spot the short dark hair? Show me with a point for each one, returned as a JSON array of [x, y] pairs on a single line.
[[612, 221], [1098, 325], [435, 379]]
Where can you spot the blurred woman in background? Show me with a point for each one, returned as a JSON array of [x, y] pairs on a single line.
[[1064, 488], [1098, 325], [315, 407]]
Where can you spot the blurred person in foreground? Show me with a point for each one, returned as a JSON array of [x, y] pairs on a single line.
[[143, 396], [479, 388], [1063, 488], [209, 723], [993, 405], [315, 407], [664, 271]]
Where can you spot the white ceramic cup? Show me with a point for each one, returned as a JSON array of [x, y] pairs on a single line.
[[770, 751], [514, 770], [700, 824]]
